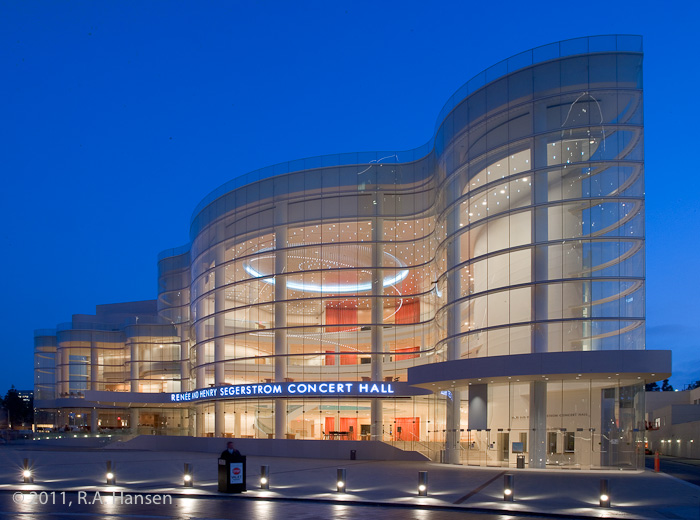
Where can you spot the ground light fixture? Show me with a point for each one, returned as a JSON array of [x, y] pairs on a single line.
[[508, 488], [27, 476], [188, 476], [341, 481], [111, 479], [604, 493], [422, 483], [265, 477]]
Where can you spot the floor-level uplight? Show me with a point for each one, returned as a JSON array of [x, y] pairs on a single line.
[[422, 483], [508, 488], [110, 474], [27, 476], [604, 493], [341, 480], [265, 477]]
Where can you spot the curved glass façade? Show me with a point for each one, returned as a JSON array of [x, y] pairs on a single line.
[[492, 279], [517, 230], [541, 221]]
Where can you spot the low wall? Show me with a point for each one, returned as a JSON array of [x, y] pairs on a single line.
[[66, 442], [308, 449]]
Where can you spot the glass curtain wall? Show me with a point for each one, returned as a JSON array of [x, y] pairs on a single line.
[[45, 364], [521, 232], [543, 227], [541, 249], [174, 303], [154, 361], [90, 360], [330, 283]]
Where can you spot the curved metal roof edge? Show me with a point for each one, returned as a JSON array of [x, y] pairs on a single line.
[[522, 60]]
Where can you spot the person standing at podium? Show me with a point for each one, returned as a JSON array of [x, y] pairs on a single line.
[[230, 454], [231, 470]]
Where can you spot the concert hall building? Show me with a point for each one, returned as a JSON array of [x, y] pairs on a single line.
[[475, 299]]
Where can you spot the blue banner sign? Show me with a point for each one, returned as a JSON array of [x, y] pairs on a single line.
[[333, 389]]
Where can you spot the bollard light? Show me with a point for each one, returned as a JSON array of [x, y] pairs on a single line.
[[508, 488], [604, 493], [188, 476], [27, 476], [110, 474], [422, 483], [340, 480], [264, 477]]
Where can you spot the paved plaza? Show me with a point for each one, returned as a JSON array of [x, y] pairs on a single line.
[[567, 493]]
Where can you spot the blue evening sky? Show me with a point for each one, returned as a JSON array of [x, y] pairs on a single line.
[[118, 117]]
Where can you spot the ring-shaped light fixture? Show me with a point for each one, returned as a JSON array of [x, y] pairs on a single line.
[[388, 281]]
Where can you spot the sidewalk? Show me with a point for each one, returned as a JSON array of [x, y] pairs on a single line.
[[681, 460], [564, 493]]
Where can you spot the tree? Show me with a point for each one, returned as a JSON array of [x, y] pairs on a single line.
[[652, 387], [666, 387], [19, 412], [692, 386]]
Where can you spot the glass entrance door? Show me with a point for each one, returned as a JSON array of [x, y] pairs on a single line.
[[475, 453]]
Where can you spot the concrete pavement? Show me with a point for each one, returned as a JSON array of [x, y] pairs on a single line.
[[563, 493], [679, 467]]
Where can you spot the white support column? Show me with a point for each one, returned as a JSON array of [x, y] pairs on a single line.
[[94, 365], [454, 292], [200, 371], [134, 367], [199, 420], [219, 330], [537, 443], [453, 414], [377, 331], [93, 381], [281, 346], [540, 255], [184, 359], [188, 418], [237, 424], [134, 417], [452, 426], [64, 372], [219, 419], [93, 421]]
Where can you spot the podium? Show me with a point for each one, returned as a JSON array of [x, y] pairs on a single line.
[[232, 475]]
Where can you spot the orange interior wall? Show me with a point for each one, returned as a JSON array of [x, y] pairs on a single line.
[[410, 429]]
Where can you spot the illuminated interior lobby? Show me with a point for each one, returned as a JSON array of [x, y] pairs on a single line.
[[475, 299]]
